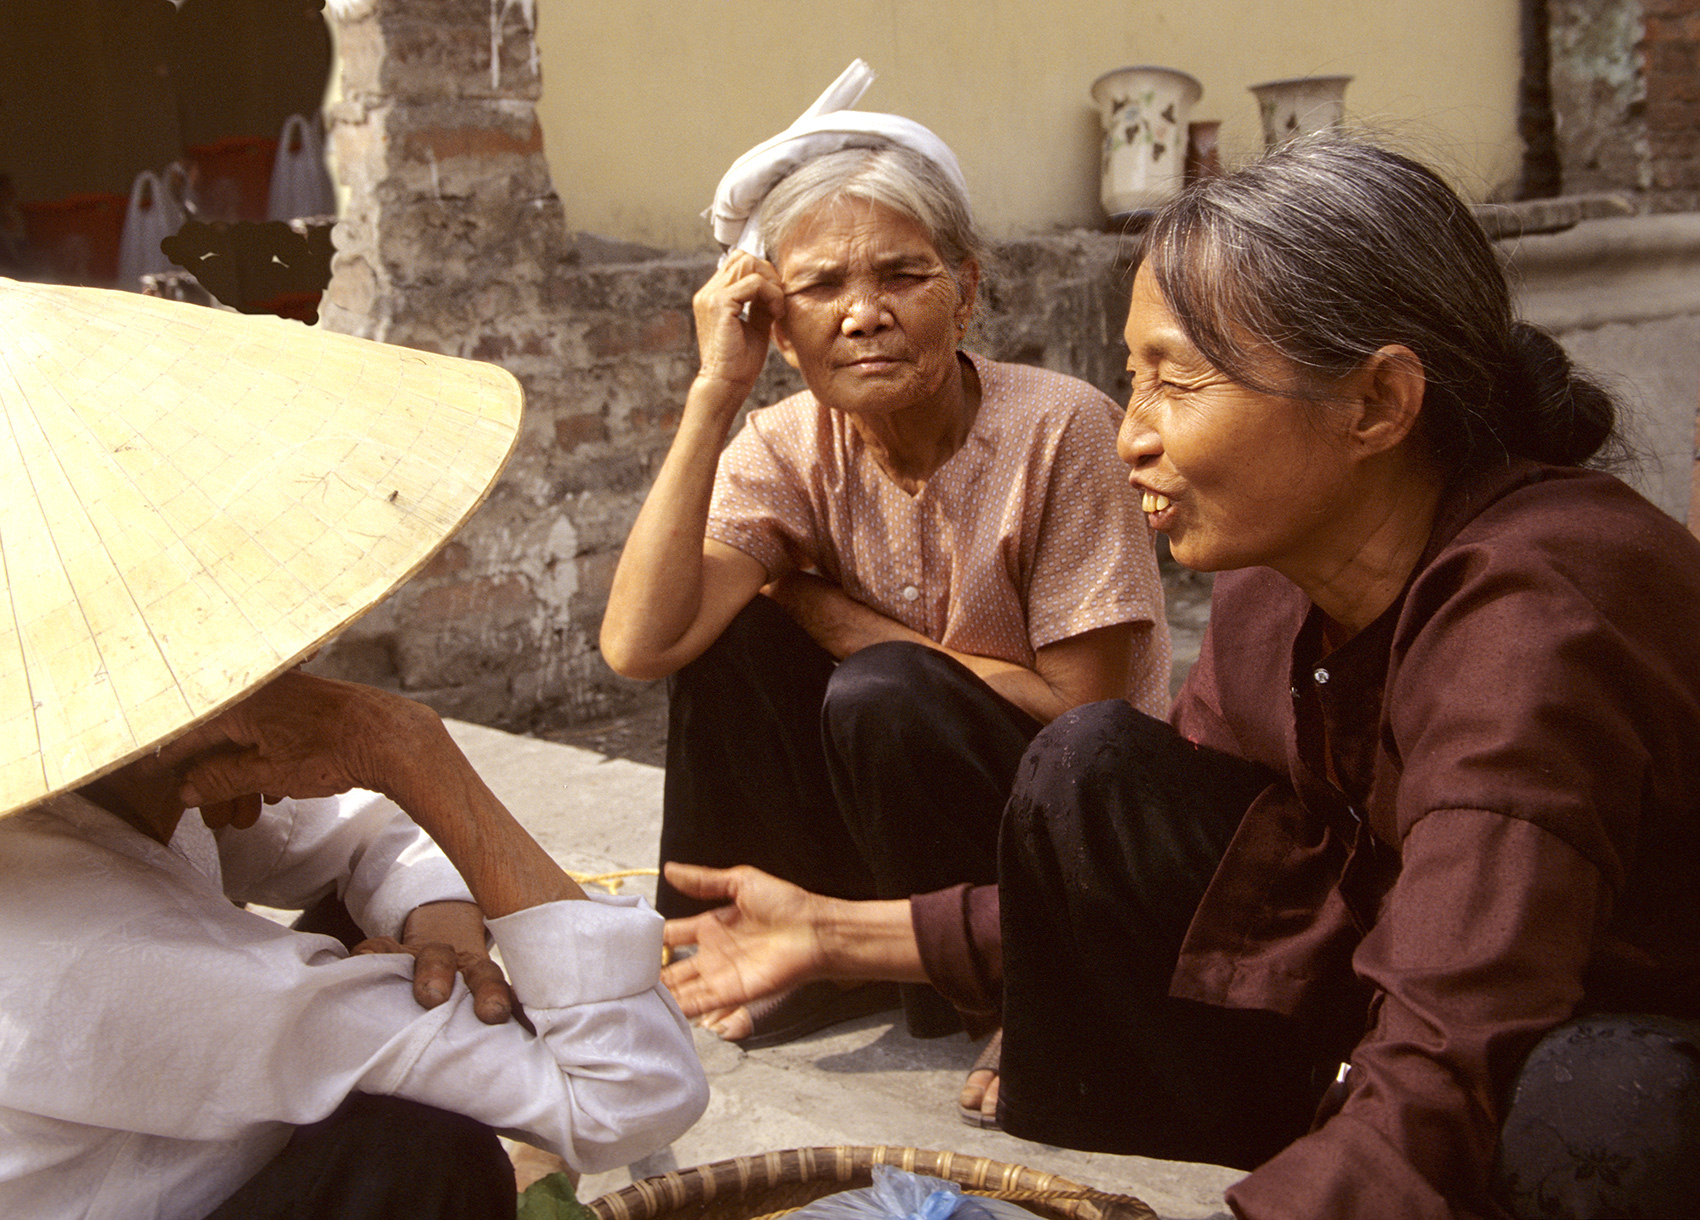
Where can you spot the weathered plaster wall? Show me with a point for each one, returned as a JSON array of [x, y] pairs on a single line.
[[1599, 93], [1624, 296], [1672, 36], [1626, 97], [454, 241]]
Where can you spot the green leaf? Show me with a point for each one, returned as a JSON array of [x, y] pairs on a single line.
[[552, 1198]]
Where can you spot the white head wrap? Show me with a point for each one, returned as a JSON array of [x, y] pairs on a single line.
[[825, 127]]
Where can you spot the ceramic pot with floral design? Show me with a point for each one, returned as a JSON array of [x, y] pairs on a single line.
[[1299, 106], [1144, 111]]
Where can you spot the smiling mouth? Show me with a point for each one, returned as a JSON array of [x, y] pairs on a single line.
[[1153, 502]]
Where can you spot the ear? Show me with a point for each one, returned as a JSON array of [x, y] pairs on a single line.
[[1388, 392], [968, 288], [782, 340]]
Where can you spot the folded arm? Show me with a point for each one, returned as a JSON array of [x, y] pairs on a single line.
[[1082, 669], [611, 1073]]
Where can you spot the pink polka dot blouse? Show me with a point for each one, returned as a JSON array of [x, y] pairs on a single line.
[[1028, 535]]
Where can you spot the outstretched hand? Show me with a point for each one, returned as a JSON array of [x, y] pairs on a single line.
[[765, 940]]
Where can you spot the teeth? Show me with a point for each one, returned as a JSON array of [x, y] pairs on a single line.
[[1151, 502]]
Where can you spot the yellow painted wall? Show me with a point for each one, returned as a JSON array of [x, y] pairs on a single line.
[[646, 102]]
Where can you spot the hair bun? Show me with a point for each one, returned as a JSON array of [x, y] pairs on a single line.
[[1555, 414]]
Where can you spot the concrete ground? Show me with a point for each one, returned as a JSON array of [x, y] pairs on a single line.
[[866, 1082]]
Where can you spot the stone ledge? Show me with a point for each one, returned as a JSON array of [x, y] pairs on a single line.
[[1530, 216], [1526, 216], [1625, 269]]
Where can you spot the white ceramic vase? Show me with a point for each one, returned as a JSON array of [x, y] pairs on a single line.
[[1296, 107], [1144, 111]]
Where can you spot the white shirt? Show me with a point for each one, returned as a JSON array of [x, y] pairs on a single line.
[[158, 1043]]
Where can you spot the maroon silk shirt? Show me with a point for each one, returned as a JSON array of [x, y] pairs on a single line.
[[1514, 836]]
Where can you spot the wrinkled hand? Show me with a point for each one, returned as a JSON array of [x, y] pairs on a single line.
[[764, 941], [834, 620], [446, 938], [297, 736], [731, 344], [795, 592]]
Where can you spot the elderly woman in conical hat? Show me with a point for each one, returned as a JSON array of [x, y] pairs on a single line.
[[1397, 913], [887, 583], [193, 501]]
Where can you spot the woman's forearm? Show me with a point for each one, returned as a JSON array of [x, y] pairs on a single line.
[[504, 867], [869, 940], [671, 595], [303, 736], [658, 591], [843, 626]]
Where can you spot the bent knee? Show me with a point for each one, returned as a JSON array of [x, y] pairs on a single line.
[[1606, 1092], [892, 678]]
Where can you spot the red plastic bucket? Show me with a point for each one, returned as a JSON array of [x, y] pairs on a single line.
[[76, 238], [233, 177]]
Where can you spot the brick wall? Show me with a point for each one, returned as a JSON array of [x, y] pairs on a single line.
[[1672, 54], [1626, 98]]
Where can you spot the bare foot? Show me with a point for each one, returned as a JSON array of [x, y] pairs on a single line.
[[978, 1101], [980, 1096], [790, 1014], [732, 1024]]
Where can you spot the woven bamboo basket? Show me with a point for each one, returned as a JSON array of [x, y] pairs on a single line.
[[775, 1183]]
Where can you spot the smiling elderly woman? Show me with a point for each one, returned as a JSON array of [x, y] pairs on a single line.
[[1398, 912], [887, 584]]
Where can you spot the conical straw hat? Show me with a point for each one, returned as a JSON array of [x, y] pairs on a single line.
[[192, 500]]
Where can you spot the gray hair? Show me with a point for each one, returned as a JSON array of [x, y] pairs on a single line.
[[1331, 248], [900, 179]]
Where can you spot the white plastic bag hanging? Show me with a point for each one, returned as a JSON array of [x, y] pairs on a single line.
[[301, 186], [899, 1195], [154, 214]]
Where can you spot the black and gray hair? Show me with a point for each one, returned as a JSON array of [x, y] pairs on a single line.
[[1329, 249], [900, 179]]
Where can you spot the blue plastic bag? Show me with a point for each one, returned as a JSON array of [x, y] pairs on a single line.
[[900, 1195]]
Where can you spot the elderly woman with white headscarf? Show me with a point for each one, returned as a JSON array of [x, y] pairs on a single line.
[[886, 584]]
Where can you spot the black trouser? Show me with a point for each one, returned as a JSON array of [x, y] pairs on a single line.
[[382, 1158], [1113, 831], [1605, 1121], [1115, 827], [878, 777]]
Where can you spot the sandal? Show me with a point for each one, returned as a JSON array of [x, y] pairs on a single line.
[[792, 1014], [989, 1060]]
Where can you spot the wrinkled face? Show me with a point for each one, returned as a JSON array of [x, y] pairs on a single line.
[[872, 313], [1234, 477]]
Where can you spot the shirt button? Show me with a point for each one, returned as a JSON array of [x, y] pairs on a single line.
[[1321, 676], [910, 593]]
